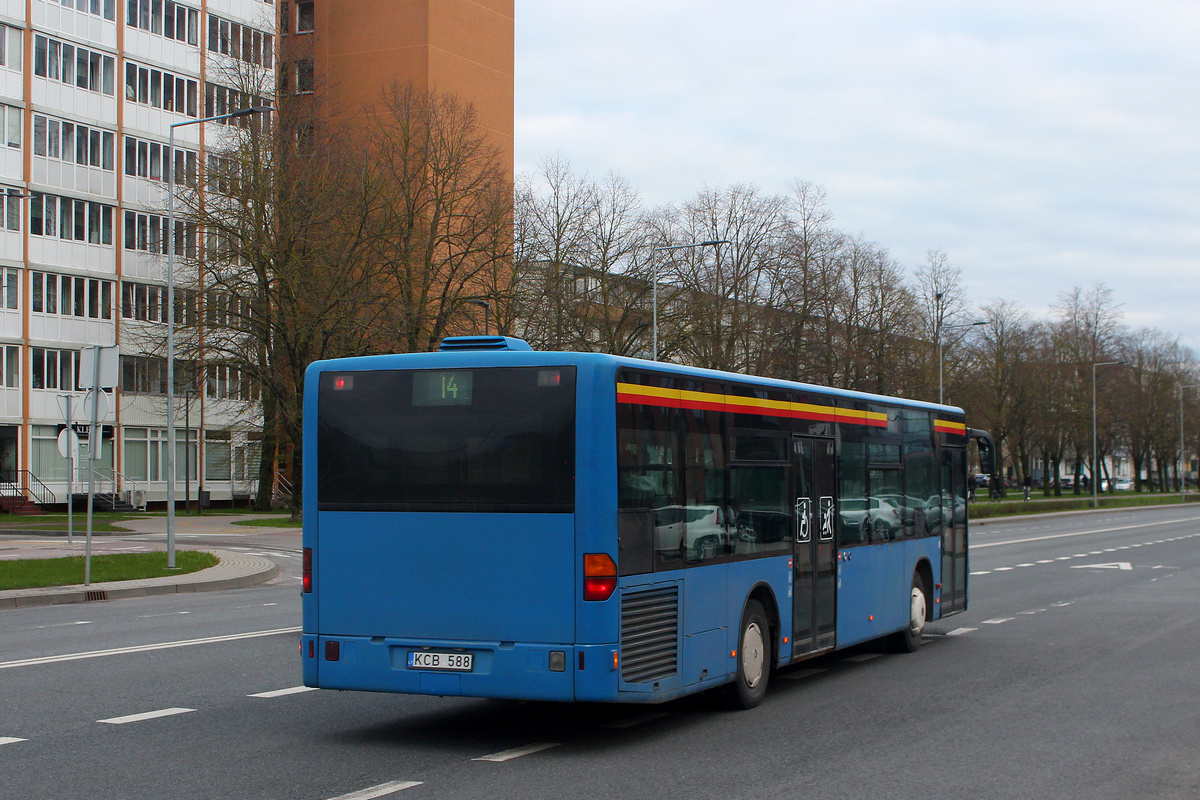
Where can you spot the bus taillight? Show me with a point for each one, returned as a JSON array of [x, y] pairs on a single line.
[[599, 576], [306, 574]]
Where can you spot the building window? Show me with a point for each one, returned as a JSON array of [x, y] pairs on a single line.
[[69, 295], [159, 89], [10, 47], [10, 205], [151, 160], [10, 123], [10, 288], [240, 41], [304, 16], [147, 232], [220, 100], [165, 18], [68, 218], [74, 66], [54, 369], [11, 356], [76, 144], [99, 8], [304, 75]]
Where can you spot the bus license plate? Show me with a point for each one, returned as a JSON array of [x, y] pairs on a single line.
[[428, 659]]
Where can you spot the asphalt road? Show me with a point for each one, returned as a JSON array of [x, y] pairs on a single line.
[[1073, 675]]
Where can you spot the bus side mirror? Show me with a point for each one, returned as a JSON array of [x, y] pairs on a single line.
[[987, 451]]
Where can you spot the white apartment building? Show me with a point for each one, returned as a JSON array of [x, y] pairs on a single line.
[[88, 92]]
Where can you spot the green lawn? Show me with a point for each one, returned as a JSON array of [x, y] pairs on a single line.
[[982, 508], [33, 573]]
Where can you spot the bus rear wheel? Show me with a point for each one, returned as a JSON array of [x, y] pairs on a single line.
[[909, 639], [753, 658]]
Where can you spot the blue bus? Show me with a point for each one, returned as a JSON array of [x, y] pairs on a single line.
[[492, 521]]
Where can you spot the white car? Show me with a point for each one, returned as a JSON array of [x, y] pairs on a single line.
[[874, 517]]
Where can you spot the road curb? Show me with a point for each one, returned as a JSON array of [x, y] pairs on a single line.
[[234, 571]]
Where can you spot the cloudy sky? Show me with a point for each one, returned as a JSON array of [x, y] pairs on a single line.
[[1041, 145]]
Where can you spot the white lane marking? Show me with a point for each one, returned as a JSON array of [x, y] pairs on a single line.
[[1025, 565], [863, 657], [1031, 613], [1084, 533], [171, 614], [998, 620], [162, 712], [984, 572], [961, 631], [1063, 558], [61, 625], [144, 648], [1003, 569], [10, 740], [284, 692], [1121, 565], [378, 791], [1046, 561], [804, 673], [1063, 604], [517, 752], [640, 719]]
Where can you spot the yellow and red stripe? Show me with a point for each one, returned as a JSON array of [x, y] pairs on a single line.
[[946, 426], [737, 404]]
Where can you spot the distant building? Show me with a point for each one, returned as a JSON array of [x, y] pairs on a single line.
[[89, 90]]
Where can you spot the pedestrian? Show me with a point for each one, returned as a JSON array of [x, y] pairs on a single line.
[[1027, 484], [995, 487]]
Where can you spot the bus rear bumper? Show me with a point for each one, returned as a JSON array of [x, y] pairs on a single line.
[[528, 671]]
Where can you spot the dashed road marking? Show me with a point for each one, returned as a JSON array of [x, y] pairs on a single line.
[[961, 631], [10, 740], [517, 752], [284, 692], [998, 620], [162, 712], [382, 790]]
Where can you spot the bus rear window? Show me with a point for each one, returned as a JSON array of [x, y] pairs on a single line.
[[479, 440]]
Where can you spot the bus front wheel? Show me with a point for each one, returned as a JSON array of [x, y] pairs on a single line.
[[909, 639], [753, 658]]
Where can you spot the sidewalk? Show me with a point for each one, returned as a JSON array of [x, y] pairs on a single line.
[[235, 570]]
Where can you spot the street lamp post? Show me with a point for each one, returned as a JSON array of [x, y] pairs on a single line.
[[941, 398], [1182, 459], [1095, 482], [170, 465], [654, 286]]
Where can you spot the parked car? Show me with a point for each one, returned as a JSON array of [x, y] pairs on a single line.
[[872, 517], [695, 532], [1123, 485]]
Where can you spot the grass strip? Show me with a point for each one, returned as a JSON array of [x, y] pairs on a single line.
[[984, 509], [34, 573]]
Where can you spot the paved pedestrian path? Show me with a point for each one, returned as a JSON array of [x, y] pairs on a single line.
[[234, 570]]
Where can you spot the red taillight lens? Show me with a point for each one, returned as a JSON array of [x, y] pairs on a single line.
[[599, 576], [306, 573]]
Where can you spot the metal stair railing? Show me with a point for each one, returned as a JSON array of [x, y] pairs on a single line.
[[23, 483]]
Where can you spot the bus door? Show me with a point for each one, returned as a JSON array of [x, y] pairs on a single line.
[[814, 590], [954, 530]]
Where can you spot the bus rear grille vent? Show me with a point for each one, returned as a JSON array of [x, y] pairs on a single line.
[[649, 634]]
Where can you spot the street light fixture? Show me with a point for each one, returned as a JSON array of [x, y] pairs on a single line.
[[244, 112], [486, 309], [1182, 459], [1096, 483], [654, 301], [941, 397]]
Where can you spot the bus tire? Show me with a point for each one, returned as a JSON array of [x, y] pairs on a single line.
[[753, 658], [909, 639]]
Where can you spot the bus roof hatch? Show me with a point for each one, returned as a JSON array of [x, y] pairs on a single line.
[[454, 343]]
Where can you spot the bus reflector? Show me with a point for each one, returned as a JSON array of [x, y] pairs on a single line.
[[306, 571], [599, 576]]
